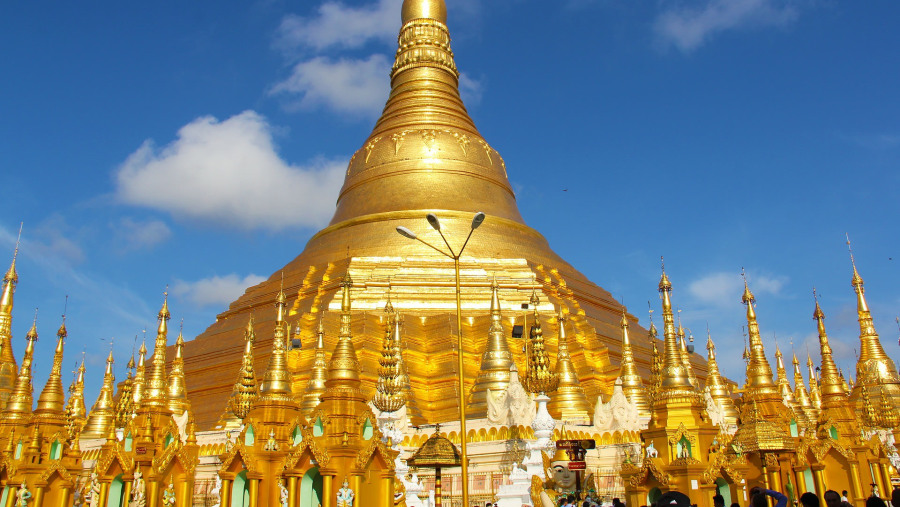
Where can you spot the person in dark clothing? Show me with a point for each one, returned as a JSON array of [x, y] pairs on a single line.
[[874, 501], [895, 497], [758, 497], [832, 498], [809, 500], [735, 504], [673, 499], [718, 501]]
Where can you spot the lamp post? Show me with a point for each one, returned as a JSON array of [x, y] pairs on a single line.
[[436, 225]]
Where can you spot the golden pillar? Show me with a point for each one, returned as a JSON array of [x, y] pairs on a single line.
[[875, 473], [38, 498], [855, 483], [10, 496], [254, 492], [437, 487], [64, 495], [819, 480], [104, 493], [387, 487], [152, 492], [225, 493], [184, 492], [886, 478], [355, 483], [292, 491], [800, 479], [328, 491], [126, 491]]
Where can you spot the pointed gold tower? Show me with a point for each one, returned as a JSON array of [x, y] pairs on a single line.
[[830, 388], [316, 386], [156, 388], [245, 388], [8, 368], [717, 386], [781, 379], [423, 155], [801, 394], [874, 369], [389, 394], [51, 405], [19, 406], [568, 402], [76, 413], [675, 383], [140, 379], [178, 402], [495, 362], [276, 384], [102, 415], [125, 396], [632, 382], [815, 395], [656, 363], [759, 373], [686, 356]]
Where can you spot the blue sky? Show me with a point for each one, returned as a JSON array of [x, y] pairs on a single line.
[[719, 133]]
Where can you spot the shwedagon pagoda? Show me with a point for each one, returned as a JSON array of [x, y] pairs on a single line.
[[336, 382]]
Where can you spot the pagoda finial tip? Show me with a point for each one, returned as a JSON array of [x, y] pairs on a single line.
[[424, 9]]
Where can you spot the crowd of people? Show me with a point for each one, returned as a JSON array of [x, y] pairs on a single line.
[[759, 497]]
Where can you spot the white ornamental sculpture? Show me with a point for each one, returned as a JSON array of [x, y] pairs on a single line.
[[498, 407], [618, 414], [521, 405], [518, 492]]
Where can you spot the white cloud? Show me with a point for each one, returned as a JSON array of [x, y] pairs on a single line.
[[230, 172], [135, 234], [688, 27], [470, 89], [217, 290], [725, 289], [338, 25], [346, 85]]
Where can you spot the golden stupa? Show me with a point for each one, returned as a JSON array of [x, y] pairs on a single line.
[[424, 155]]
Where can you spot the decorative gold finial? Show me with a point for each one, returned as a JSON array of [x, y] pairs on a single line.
[[716, 385], [156, 390], [496, 360], [759, 372], [276, 383], [424, 9], [101, 418], [343, 368], [568, 401], [389, 396], [539, 377], [674, 380], [140, 379], [245, 389], [76, 413], [316, 386], [178, 401], [632, 383], [19, 405], [51, 402]]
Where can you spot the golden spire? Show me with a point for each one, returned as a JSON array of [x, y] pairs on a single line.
[[156, 388], [873, 368], [425, 119], [632, 382], [814, 393], [8, 368], [784, 385], [830, 389], [343, 368], [685, 355], [716, 385], [759, 373], [101, 417], [76, 413], [245, 389], [276, 383], [140, 379], [495, 361], [52, 401], [20, 401], [178, 401], [674, 378], [539, 378], [125, 402], [389, 395], [800, 392], [568, 402], [316, 386], [656, 358]]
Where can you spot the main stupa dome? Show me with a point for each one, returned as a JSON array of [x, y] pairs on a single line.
[[425, 155]]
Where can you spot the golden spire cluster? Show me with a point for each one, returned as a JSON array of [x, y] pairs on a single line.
[[539, 377], [245, 389], [495, 360], [716, 385], [276, 383], [632, 382], [315, 388], [389, 395], [568, 402]]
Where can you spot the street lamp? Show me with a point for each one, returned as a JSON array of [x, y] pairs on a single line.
[[436, 225]]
